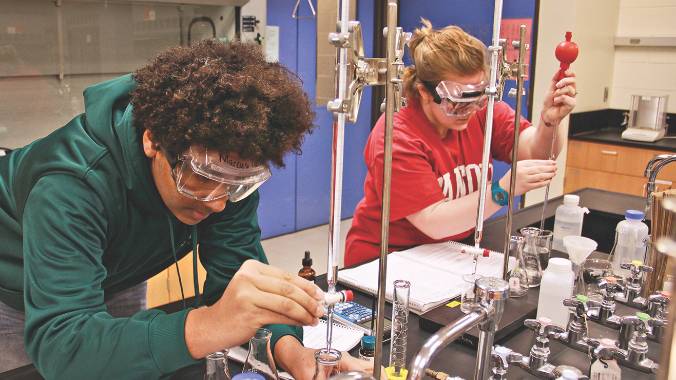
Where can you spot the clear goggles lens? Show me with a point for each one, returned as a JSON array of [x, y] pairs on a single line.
[[207, 176], [460, 100]]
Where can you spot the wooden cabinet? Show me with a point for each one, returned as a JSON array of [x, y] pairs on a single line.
[[610, 167]]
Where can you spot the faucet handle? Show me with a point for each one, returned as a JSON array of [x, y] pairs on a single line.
[[578, 304], [604, 348], [610, 286], [636, 267], [543, 326]]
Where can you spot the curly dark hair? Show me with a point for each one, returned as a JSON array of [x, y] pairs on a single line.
[[225, 97]]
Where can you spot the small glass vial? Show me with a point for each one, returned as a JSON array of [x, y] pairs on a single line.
[[217, 366], [307, 272], [327, 362], [367, 351]]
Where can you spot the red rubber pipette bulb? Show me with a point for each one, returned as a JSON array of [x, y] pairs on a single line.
[[566, 52]]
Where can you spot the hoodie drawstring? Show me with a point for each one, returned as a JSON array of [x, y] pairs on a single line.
[[173, 252], [196, 284], [194, 263]]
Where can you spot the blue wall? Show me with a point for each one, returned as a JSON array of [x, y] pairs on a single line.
[[298, 196]]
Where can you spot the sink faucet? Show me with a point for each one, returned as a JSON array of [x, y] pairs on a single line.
[[537, 362], [491, 293], [651, 171]]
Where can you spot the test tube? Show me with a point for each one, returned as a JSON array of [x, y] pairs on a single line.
[[399, 337]]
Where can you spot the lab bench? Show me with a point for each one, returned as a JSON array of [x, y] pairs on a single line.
[[458, 359]]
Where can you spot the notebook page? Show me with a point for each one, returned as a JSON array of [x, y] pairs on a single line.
[[344, 338], [434, 270]]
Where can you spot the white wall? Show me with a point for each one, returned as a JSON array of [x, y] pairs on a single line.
[[593, 24], [645, 70]]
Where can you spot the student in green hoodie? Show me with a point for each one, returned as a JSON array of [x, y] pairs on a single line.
[[161, 163]]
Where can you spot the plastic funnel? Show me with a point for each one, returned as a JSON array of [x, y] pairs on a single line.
[[578, 247]]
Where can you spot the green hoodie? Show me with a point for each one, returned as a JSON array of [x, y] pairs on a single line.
[[79, 217]]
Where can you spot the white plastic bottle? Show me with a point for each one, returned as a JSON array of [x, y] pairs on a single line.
[[557, 284], [568, 220], [632, 238]]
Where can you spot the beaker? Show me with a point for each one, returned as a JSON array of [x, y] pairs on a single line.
[[536, 250], [327, 361], [259, 358], [217, 366], [593, 270], [518, 276], [399, 336], [467, 297]]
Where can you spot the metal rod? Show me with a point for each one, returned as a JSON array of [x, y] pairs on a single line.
[[484, 350], [443, 337], [59, 36], [492, 94], [520, 74], [387, 174], [337, 153]]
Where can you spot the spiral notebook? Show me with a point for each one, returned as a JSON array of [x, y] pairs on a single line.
[[434, 270], [344, 338]]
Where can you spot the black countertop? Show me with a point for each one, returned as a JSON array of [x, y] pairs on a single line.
[[457, 359], [604, 126]]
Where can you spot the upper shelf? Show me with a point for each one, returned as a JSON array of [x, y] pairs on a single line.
[[664, 41]]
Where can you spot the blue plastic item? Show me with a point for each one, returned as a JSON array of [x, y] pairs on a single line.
[[248, 376], [634, 214], [368, 342]]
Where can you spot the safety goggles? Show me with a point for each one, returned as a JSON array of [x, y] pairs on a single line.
[[457, 99], [207, 175]]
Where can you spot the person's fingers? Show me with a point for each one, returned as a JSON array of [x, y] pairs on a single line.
[[566, 81], [288, 289], [537, 185], [267, 317], [567, 90], [532, 163], [285, 307], [540, 177], [564, 100], [310, 288]]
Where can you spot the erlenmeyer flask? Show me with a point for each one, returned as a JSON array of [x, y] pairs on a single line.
[[326, 363], [259, 358], [518, 277], [531, 255], [217, 366]]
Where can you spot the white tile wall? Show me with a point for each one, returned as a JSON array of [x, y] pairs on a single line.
[[645, 70]]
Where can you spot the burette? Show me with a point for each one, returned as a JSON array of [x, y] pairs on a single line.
[[337, 152], [493, 92]]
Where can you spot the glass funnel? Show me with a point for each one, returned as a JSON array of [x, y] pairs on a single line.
[[579, 248]]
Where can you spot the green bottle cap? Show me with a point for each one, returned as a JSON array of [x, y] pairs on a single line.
[[643, 316], [582, 298]]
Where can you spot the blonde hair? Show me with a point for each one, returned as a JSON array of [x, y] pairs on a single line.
[[437, 53]]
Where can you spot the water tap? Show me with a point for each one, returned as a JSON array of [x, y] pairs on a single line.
[[604, 314], [633, 285], [576, 331], [537, 361], [657, 309]]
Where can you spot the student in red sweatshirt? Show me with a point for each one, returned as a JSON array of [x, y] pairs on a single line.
[[438, 144]]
